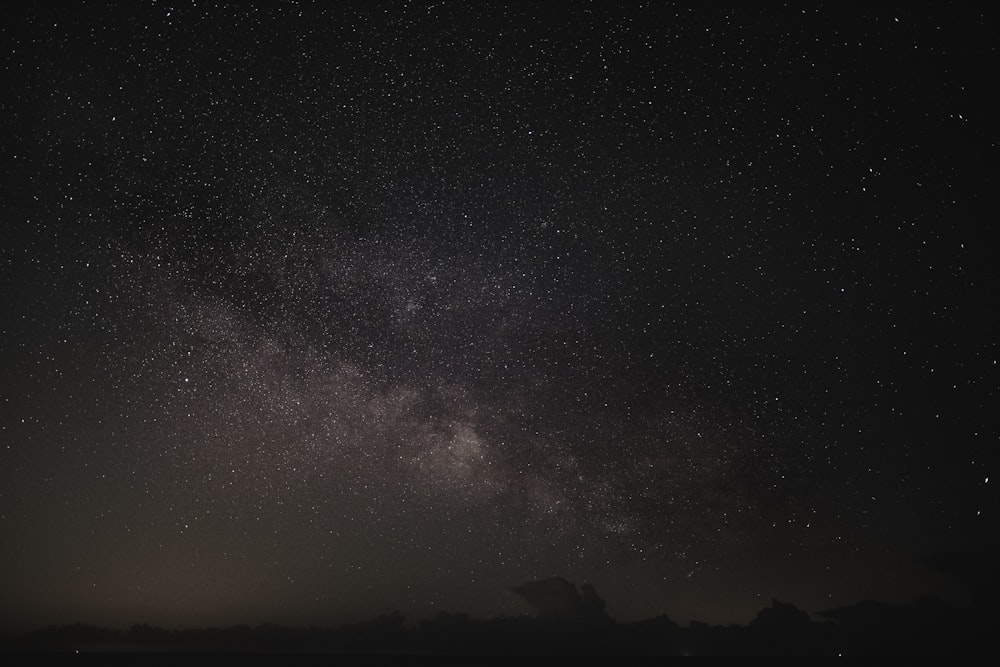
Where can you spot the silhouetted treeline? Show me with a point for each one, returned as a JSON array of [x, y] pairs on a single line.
[[570, 621]]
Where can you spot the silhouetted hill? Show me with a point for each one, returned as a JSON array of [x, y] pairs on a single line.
[[569, 621]]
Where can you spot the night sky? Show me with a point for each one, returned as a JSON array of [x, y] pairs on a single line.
[[315, 312]]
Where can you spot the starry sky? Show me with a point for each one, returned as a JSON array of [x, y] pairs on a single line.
[[312, 312]]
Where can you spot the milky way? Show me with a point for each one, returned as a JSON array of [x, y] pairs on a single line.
[[313, 313]]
